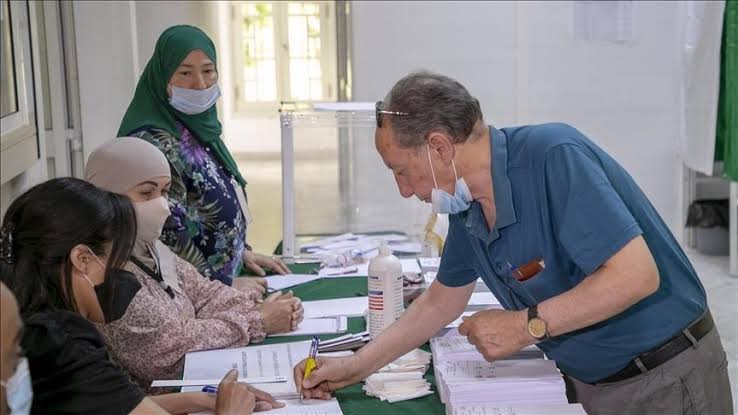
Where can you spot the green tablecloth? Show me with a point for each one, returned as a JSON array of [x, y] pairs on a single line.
[[353, 400]]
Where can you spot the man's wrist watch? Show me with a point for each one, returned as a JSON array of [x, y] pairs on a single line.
[[537, 327]]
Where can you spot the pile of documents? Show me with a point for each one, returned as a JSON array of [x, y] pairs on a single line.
[[267, 367], [402, 379], [465, 378], [347, 342], [553, 409], [360, 245]]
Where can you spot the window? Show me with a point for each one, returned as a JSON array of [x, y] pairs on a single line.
[[19, 148], [284, 51]]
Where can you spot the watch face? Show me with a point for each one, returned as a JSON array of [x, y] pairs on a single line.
[[537, 328]]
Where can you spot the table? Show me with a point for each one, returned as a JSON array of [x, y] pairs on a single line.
[[353, 399]]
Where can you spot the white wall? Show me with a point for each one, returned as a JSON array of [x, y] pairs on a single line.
[[521, 60], [115, 40]]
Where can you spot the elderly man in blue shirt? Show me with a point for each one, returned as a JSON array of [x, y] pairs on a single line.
[[566, 240]]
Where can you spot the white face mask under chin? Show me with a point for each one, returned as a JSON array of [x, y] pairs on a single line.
[[193, 101], [18, 389], [442, 201]]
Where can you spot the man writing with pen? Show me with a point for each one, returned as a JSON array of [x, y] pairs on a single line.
[[565, 239]]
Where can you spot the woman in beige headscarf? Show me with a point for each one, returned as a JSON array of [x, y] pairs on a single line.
[[176, 310]]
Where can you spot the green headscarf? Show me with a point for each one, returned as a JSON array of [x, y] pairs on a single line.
[[150, 105]]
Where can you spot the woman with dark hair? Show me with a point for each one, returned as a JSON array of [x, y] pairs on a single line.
[[62, 247]]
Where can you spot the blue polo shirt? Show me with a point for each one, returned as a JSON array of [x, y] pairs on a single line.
[[561, 198]]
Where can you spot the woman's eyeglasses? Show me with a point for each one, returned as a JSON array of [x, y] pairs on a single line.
[[378, 111]]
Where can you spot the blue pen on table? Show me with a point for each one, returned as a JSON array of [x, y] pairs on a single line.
[[210, 389]]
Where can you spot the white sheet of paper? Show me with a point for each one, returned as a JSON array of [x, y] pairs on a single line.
[[280, 282], [350, 307], [486, 298], [212, 382], [297, 407], [311, 326], [429, 277], [502, 370], [433, 262], [458, 321], [410, 265], [491, 409], [406, 247], [252, 361]]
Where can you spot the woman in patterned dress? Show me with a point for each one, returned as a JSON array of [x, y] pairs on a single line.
[[174, 109]]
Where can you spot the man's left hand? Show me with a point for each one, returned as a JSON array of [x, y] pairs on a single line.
[[497, 333], [258, 262]]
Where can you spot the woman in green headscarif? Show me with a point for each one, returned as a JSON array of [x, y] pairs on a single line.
[[174, 109]]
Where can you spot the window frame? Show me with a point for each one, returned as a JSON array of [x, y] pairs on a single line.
[[328, 58]]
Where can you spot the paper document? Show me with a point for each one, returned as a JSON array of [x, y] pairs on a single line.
[[486, 298], [312, 326], [350, 307], [406, 247], [253, 361], [410, 265], [205, 382], [297, 407], [502, 370], [280, 282], [430, 263], [492, 409], [456, 323]]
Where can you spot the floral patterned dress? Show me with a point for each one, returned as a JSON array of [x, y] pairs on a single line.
[[207, 227]]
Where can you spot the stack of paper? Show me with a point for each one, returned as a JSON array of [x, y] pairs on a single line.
[[349, 307], [346, 342], [402, 379], [503, 382], [262, 361], [454, 347], [362, 270], [313, 326], [364, 246], [487, 409], [430, 263]]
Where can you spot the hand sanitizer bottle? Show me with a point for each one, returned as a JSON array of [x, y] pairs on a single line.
[[385, 290]]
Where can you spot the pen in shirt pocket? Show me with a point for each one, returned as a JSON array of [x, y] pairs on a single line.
[[527, 270]]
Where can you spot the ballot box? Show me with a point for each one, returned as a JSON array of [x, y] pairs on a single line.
[[333, 179]]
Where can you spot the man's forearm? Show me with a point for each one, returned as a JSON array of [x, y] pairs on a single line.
[[628, 277], [425, 317]]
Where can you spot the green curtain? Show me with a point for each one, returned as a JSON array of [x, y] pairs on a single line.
[[726, 145]]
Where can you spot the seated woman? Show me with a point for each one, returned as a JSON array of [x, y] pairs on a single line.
[[177, 310], [174, 109], [63, 243]]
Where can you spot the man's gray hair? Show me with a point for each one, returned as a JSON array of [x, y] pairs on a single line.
[[433, 102]]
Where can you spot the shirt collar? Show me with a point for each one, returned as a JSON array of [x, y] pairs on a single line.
[[505, 210]]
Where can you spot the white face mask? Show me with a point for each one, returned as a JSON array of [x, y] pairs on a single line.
[[442, 201], [193, 101], [18, 389], [151, 216]]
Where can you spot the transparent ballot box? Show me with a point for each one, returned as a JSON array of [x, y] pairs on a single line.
[[334, 181]]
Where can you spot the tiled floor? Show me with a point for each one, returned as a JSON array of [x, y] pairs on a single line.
[[319, 179]]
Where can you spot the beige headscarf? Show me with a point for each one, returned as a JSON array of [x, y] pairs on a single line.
[[121, 164]]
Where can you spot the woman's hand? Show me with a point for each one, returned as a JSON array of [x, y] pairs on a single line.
[[281, 313], [258, 262], [250, 283], [234, 398]]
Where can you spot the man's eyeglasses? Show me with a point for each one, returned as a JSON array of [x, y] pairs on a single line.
[[378, 111]]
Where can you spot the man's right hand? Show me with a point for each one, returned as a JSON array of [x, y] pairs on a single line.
[[281, 313], [234, 398], [330, 374]]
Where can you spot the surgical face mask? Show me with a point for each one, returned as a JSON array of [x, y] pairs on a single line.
[[193, 101], [18, 389], [442, 201], [151, 216]]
